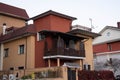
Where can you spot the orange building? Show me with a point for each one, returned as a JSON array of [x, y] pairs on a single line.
[[48, 42]]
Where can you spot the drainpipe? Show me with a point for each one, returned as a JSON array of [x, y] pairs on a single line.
[[25, 56], [1, 56]]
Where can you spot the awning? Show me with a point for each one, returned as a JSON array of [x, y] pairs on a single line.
[[72, 65]]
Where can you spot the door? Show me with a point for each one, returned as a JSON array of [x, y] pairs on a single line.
[[71, 74]]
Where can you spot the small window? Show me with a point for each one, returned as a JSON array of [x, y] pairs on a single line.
[[6, 52], [21, 67], [40, 36], [108, 34], [11, 68], [109, 47], [87, 67], [21, 49]]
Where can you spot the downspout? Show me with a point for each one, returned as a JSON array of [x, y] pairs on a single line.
[[25, 56]]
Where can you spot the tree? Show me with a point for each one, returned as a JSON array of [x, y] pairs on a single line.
[[114, 64]]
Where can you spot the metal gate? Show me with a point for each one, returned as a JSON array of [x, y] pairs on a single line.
[[71, 74]]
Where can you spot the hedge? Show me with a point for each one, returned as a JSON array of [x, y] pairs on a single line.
[[95, 75]]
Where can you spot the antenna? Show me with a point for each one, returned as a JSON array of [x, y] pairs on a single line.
[[92, 27]]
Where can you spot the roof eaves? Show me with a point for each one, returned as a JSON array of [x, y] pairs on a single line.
[[12, 15], [16, 37], [50, 12], [67, 34], [86, 33]]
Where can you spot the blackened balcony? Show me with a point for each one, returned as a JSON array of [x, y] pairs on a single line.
[[65, 52]]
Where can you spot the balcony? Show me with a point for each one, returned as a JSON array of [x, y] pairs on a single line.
[[65, 52]]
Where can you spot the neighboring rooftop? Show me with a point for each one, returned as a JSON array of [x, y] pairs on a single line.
[[50, 12], [18, 33], [81, 27], [84, 32], [9, 10], [109, 27]]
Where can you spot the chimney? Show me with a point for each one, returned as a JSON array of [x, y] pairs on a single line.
[[118, 25], [4, 28]]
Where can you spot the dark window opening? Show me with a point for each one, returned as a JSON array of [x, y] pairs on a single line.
[[87, 67], [109, 47], [21, 67], [6, 52], [41, 36], [21, 49], [11, 68]]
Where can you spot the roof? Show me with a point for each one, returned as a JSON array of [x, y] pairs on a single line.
[[71, 65], [109, 27], [21, 32], [84, 32], [65, 35], [50, 12], [9, 10]]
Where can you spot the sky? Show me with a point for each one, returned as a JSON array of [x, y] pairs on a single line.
[[102, 12]]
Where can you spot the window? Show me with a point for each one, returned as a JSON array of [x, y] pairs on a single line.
[[87, 67], [11, 68], [108, 34], [109, 47], [40, 36], [21, 49], [21, 67], [6, 52]]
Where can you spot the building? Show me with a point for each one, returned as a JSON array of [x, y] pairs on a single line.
[[11, 18], [48, 42], [107, 46]]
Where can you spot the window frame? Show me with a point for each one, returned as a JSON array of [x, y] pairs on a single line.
[[6, 51], [109, 47], [21, 49], [40, 36]]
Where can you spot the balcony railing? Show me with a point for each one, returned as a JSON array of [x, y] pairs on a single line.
[[65, 52]]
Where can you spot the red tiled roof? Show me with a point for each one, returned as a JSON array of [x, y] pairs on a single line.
[[21, 32], [50, 12], [13, 11]]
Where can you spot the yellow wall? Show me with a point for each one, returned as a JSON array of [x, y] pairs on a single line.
[[10, 21], [14, 59], [88, 51]]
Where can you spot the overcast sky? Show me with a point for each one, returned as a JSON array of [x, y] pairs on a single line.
[[102, 12]]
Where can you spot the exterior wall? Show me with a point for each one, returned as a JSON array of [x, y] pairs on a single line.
[[60, 24], [100, 48], [16, 60], [10, 21], [105, 37], [39, 52], [115, 46], [89, 53], [42, 23], [53, 23], [30, 52]]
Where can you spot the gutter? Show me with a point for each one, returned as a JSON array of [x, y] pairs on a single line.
[[18, 37]]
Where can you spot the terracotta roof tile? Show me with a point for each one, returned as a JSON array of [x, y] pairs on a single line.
[[13, 11], [24, 31]]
